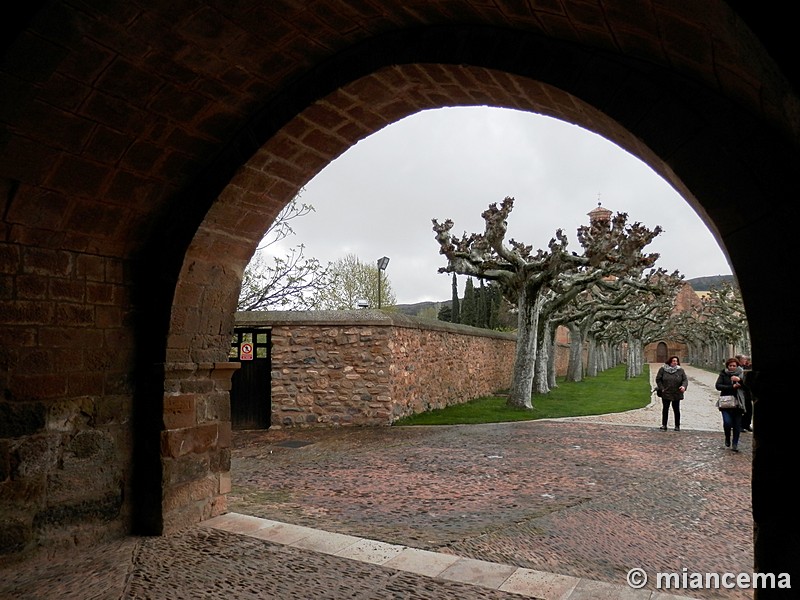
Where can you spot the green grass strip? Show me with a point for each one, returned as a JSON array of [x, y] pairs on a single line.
[[609, 392]]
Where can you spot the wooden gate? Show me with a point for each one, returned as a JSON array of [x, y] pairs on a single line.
[[251, 391]]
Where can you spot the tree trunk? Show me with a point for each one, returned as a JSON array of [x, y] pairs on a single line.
[[604, 358], [575, 367], [635, 366], [551, 360], [591, 356], [540, 377], [630, 359], [525, 358]]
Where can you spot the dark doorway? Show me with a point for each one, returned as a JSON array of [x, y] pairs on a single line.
[[251, 390], [661, 352]]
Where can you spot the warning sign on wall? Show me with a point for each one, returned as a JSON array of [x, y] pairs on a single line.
[[246, 351]]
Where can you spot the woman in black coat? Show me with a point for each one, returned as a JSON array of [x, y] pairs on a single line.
[[671, 383], [729, 383]]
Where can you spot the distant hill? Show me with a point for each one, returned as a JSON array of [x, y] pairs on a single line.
[[412, 310], [704, 284], [699, 284]]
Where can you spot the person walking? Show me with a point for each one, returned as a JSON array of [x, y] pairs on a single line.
[[671, 383], [729, 382], [744, 391]]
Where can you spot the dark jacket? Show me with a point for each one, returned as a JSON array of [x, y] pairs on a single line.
[[725, 386], [668, 383]]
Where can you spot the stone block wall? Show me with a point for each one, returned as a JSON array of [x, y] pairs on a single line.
[[437, 367], [65, 432], [196, 439], [370, 367]]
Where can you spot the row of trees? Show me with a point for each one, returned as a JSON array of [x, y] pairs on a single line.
[[715, 328], [608, 294], [483, 307], [712, 326]]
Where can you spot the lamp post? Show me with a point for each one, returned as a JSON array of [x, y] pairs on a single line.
[[382, 263]]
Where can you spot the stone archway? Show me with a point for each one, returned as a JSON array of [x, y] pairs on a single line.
[[147, 146], [673, 140]]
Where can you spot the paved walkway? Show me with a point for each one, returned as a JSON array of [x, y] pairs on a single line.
[[698, 411], [558, 509]]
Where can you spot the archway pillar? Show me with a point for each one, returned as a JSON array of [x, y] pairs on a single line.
[[195, 442]]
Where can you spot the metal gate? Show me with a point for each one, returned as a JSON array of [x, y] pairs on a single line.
[[251, 390]]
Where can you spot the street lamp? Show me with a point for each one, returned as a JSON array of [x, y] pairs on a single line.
[[382, 263]]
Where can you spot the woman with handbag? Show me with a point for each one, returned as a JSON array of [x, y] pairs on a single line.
[[730, 403], [671, 383]]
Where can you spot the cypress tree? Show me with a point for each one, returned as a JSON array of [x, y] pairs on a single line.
[[484, 302], [455, 315], [469, 307]]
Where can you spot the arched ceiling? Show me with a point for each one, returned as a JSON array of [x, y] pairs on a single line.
[[141, 130], [128, 110]]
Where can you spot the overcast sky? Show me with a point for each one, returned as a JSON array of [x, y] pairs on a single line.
[[379, 197]]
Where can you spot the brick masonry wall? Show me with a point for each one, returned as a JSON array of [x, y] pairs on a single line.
[[66, 344], [371, 368]]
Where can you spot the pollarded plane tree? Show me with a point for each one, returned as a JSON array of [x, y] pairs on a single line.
[[577, 314], [619, 248], [590, 308], [610, 347], [610, 249], [617, 285], [646, 318], [647, 313], [562, 298], [554, 301], [521, 274], [719, 328], [610, 299], [702, 331], [731, 310], [559, 313]]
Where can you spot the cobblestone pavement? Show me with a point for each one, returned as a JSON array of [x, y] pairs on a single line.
[[590, 497], [587, 497]]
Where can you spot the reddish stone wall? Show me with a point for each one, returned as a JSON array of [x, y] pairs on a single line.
[[371, 367], [433, 368], [65, 350], [196, 439]]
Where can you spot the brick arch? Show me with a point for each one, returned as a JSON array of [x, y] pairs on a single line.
[[247, 206], [673, 134], [326, 128], [126, 126], [446, 65], [672, 137]]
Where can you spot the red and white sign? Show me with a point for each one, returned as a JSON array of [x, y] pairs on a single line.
[[246, 351]]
